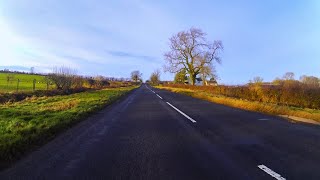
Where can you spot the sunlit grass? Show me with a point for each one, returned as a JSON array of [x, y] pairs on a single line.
[[34, 120], [25, 83]]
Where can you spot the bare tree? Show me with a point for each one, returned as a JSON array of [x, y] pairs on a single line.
[[288, 76], [257, 80], [101, 82], [191, 51], [310, 81], [62, 77], [155, 77], [136, 76], [77, 82]]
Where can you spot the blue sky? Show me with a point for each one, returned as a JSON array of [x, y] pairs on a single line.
[[113, 38]]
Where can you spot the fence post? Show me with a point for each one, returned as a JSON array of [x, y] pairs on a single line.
[[18, 85], [34, 84], [8, 82]]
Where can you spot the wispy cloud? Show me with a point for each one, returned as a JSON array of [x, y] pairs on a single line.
[[80, 33], [131, 55]]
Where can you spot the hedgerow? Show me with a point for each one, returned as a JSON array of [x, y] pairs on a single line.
[[290, 93]]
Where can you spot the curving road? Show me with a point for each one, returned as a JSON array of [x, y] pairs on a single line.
[[156, 134]]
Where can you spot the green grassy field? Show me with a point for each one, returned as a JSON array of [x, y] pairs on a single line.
[[25, 82], [34, 120]]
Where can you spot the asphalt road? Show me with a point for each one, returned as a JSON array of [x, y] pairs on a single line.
[[156, 134]]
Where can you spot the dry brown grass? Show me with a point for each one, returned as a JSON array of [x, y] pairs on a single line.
[[60, 106], [267, 108]]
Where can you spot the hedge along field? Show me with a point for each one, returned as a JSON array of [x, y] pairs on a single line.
[[289, 93], [25, 82], [34, 120], [268, 108]]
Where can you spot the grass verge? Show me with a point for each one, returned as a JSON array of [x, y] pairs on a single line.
[[35, 120], [267, 108], [19, 96]]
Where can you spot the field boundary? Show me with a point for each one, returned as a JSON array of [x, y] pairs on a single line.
[[293, 113], [20, 96]]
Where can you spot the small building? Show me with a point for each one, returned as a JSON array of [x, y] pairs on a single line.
[[212, 82], [197, 83]]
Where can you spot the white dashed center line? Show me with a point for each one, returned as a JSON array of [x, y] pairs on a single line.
[[263, 119], [188, 117], [270, 172], [159, 96], [262, 167]]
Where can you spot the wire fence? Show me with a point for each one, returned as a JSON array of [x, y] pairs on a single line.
[[18, 85]]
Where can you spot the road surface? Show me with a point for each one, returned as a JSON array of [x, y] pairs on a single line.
[[156, 134]]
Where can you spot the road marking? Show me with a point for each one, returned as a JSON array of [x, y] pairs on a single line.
[[149, 89], [159, 96], [270, 172], [263, 119], [153, 92], [188, 117]]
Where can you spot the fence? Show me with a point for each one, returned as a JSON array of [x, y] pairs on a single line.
[[17, 85]]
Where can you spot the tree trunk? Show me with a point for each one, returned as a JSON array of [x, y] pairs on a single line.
[[204, 81], [193, 79]]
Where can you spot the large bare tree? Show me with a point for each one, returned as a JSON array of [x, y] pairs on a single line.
[[190, 50], [136, 76]]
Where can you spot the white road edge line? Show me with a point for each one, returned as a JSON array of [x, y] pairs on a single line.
[[149, 89], [159, 96], [271, 172], [188, 117]]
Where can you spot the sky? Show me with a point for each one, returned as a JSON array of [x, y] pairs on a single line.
[[113, 38]]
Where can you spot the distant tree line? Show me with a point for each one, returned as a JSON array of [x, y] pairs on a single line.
[[65, 78], [19, 72]]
